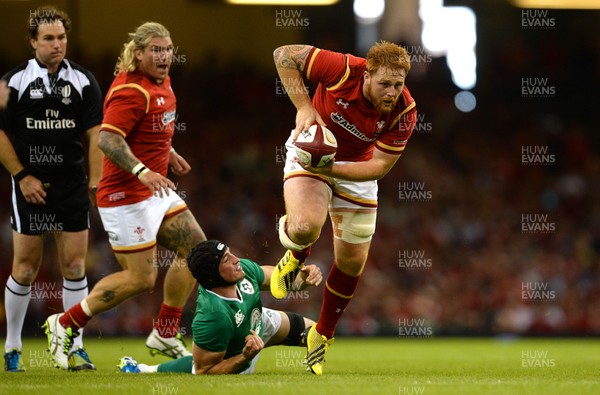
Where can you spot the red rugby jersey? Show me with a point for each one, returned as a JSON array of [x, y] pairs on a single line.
[[144, 113], [356, 124]]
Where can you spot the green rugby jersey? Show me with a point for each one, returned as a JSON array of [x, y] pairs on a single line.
[[222, 324]]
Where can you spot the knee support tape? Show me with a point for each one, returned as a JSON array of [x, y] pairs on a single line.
[[354, 227], [285, 239]]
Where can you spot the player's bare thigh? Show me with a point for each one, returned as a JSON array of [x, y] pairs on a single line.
[[72, 248], [180, 233], [27, 256], [306, 205]]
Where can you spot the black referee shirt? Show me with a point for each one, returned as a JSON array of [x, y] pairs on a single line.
[[47, 115]]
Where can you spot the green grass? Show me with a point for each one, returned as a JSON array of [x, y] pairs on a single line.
[[354, 366]]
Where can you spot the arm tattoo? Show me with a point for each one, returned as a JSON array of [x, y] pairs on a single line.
[[117, 150], [108, 296], [292, 56]]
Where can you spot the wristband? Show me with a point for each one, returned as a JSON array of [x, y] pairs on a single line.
[[142, 172], [139, 170], [20, 175]]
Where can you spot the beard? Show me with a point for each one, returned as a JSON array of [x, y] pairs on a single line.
[[383, 105]]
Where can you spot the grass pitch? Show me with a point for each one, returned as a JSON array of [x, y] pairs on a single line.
[[392, 366]]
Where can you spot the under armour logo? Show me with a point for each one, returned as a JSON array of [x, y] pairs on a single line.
[[342, 103], [160, 101]]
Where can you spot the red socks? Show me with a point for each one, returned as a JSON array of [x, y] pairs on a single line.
[[74, 318], [339, 289], [301, 255], [167, 323]]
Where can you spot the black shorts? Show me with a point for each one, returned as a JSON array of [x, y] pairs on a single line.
[[67, 208]]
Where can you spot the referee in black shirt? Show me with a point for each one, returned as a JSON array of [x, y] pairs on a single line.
[[52, 103]]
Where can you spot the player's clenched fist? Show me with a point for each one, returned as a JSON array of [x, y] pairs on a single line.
[[254, 344]]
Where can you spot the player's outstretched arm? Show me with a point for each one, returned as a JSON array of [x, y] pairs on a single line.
[[309, 275], [290, 61]]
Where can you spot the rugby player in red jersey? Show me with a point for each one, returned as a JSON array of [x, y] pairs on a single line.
[[366, 105], [137, 202]]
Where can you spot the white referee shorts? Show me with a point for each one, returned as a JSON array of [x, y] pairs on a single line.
[[133, 227]]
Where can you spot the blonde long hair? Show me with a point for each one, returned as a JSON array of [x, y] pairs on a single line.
[[127, 61]]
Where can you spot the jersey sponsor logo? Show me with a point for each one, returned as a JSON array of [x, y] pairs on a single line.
[[168, 117], [337, 118], [239, 318], [256, 320], [246, 286], [39, 90], [45, 124]]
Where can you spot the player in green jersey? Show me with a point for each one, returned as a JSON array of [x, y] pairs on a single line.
[[230, 326]]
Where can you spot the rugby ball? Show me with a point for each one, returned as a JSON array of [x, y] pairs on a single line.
[[316, 146]]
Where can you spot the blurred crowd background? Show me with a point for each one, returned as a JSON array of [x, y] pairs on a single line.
[[479, 267]]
